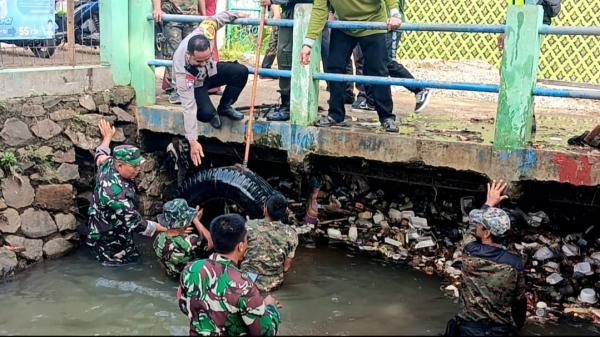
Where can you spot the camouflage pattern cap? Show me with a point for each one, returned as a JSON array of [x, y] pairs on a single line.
[[128, 154], [476, 216], [496, 221], [176, 214]]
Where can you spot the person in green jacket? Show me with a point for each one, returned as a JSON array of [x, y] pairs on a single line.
[[372, 43]]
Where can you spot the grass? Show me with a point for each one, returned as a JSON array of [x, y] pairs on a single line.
[[41, 158], [9, 162]]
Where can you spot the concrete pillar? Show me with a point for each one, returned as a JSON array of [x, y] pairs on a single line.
[[304, 89], [141, 50], [519, 71], [114, 39]]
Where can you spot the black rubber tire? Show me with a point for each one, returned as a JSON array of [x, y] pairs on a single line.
[[246, 189]]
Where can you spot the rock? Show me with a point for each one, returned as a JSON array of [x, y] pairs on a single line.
[[33, 110], [50, 101], [46, 129], [1, 173], [87, 101], [17, 193], [73, 236], [33, 248], [10, 221], [37, 224], [65, 222], [3, 205], [55, 197], [103, 108], [61, 115], [119, 136], [65, 157], [15, 132], [81, 140], [57, 248], [8, 263], [123, 115], [122, 95], [67, 172]]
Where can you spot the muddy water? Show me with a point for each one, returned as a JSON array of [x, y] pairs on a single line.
[[328, 291]]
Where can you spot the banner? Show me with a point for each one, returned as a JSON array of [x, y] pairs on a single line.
[[27, 19]]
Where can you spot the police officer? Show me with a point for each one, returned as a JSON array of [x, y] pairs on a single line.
[[173, 32], [196, 72], [113, 215]]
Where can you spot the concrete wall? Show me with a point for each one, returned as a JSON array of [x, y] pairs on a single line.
[[62, 80]]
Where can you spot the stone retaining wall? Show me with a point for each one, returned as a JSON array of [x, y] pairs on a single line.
[[46, 168]]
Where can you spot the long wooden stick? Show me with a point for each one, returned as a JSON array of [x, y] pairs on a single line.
[[71, 31], [250, 129]]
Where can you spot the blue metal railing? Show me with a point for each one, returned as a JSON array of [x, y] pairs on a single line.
[[376, 80], [415, 27]]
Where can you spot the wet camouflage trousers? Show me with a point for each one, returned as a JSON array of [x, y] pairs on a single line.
[[115, 248], [284, 51], [272, 51]]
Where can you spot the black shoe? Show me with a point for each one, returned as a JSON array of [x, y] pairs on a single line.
[[216, 122], [363, 104], [422, 98], [389, 125], [281, 113], [325, 121], [231, 113]]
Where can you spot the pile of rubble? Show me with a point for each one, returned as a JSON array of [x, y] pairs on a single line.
[[561, 272]]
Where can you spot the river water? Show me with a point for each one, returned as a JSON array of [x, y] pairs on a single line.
[[328, 292]]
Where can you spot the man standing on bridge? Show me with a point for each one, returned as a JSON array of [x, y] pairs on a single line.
[[196, 72], [372, 43], [113, 216]]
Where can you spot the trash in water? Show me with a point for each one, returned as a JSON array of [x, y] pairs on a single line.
[[583, 268], [554, 278], [588, 295], [543, 254]]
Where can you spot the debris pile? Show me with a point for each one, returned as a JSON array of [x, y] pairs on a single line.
[[561, 272]]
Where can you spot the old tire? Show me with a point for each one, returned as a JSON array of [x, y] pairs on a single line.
[[246, 190]]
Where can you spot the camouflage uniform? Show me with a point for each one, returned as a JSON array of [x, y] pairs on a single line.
[[492, 281], [113, 216], [175, 252], [269, 245], [220, 300], [175, 31]]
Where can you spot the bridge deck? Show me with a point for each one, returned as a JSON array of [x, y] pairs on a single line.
[[454, 132]]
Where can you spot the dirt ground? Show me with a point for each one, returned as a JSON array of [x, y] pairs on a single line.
[[453, 115]]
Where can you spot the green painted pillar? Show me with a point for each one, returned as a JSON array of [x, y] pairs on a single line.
[[114, 39], [304, 102], [141, 50], [519, 72]]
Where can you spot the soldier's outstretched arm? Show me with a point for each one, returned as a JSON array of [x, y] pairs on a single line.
[[103, 150]]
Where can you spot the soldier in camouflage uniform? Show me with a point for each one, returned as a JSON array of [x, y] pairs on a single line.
[[492, 298], [271, 245], [173, 33], [113, 216], [217, 297], [174, 252]]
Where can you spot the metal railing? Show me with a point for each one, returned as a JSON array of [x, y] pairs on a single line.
[[376, 80]]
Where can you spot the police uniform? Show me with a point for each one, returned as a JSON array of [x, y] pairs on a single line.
[[113, 214]]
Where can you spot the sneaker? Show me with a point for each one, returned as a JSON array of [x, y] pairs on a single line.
[[422, 98], [364, 105], [389, 125], [174, 98], [325, 121]]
